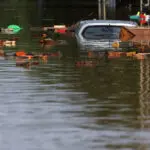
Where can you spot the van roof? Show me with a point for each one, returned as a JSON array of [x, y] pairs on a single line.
[[110, 22]]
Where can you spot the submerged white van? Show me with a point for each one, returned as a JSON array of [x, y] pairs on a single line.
[[100, 35]]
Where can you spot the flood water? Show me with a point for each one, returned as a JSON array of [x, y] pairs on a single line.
[[60, 107], [57, 106]]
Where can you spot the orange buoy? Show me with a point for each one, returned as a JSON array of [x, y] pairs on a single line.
[[20, 53]]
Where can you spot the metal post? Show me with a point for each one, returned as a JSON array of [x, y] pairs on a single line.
[[104, 9], [141, 5], [111, 9], [99, 9]]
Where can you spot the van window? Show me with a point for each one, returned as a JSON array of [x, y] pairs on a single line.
[[101, 32]]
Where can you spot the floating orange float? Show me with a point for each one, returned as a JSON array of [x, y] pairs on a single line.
[[114, 54], [20, 53], [130, 54]]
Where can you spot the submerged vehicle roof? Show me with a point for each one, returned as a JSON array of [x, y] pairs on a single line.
[[109, 22], [124, 33]]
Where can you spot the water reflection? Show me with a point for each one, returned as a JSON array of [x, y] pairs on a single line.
[[144, 114], [144, 93]]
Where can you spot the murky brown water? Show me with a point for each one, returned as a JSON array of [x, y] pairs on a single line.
[[58, 106]]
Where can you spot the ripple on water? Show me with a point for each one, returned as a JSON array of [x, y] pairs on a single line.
[[50, 107]]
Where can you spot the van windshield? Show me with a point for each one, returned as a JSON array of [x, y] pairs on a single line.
[[101, 32]]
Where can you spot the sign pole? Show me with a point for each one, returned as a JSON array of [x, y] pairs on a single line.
[[99, 9], [141, 5], [104, 9]]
